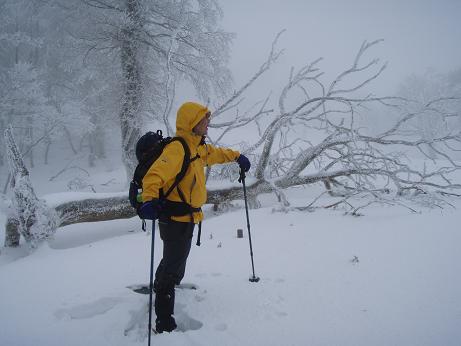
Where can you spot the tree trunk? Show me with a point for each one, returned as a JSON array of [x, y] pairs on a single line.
[[93, 210], [91, 155], [130, 122], [2, 152], [97, 138], [24, 198], [12, 235], [33, 219], [47, 149], [104, 209], [7, 183], [30, 139], [69, 138]]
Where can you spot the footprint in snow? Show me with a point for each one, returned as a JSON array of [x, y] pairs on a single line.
[[184, 321], [98, 307], [221, 327], [137, 325]]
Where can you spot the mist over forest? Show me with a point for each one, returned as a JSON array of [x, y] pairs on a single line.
[[362, 99]]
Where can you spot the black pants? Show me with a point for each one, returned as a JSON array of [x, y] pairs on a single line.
[[177, 240]]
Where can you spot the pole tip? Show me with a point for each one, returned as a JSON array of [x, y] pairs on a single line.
[[254, 279]]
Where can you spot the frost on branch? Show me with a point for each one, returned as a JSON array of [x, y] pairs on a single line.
[[32, 218], [321, 133]]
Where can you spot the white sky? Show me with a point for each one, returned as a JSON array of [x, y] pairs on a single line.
[[418, 34]]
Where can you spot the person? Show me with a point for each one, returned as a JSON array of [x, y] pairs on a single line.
[[181, 210]]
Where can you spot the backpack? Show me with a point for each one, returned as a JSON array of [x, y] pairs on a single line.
[[148, 149]]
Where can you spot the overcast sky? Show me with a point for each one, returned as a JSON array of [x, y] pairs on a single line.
[[418, 34]]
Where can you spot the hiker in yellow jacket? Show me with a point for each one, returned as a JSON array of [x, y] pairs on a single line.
[[180, 211]]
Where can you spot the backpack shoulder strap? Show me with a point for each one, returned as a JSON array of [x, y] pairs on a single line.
[[184, 167]]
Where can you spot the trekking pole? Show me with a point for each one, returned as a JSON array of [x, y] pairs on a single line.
[[242, 180], [151, 282]]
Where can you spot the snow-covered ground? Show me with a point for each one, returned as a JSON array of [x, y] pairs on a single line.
[[387, 278], [390, 277]]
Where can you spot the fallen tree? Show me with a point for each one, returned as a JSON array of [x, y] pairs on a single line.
[[349, 160]]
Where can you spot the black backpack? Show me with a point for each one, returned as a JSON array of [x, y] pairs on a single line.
[[148, 149]]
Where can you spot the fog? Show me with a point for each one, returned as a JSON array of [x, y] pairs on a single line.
[[418, 35], [63, 82]]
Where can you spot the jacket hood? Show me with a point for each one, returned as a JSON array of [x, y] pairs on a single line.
[[189, 115]]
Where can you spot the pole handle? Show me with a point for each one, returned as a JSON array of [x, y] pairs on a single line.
[[242, 176], [199, 235]]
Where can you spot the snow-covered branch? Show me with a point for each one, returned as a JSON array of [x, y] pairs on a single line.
[[344, 152], [31, 218]]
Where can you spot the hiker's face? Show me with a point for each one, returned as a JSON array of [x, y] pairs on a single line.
[[201, 128]]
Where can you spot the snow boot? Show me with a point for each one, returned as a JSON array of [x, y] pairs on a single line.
[[165, 324]]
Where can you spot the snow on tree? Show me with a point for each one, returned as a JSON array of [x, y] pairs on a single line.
[[425, 90], [30, 216], [109, 64], [157, 44], [35, 80], [348, 158]]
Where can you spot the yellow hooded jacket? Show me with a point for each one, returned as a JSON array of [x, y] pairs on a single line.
[[164, 170]]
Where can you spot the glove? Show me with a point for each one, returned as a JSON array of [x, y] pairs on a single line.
[[244, 163], [150, 210]]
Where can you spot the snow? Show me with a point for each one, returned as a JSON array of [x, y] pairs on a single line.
[[55, 199], [390, 277]]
